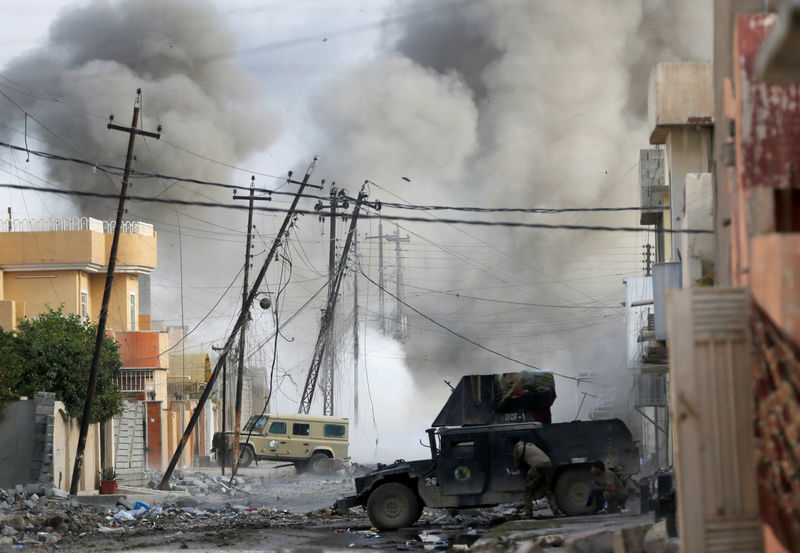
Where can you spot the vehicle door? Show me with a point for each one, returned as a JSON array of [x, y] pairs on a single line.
[[505, 476], [463, 464], [276, 439], [255, 428], [299, 440]]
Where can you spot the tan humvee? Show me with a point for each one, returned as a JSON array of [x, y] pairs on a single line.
[[305, 440]]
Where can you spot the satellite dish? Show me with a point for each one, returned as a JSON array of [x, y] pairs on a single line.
[[265, 303]]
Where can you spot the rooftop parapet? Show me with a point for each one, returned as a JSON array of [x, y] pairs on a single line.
[[679, 94], [75, 243]]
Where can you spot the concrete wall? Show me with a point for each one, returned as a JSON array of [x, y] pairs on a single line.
[[82, 247], [679, 93], [697, 250], [8, 314], [129, 451], [66, 432], [16, 421], [119, 316], [42, 288], [39, 441], [143, 349]]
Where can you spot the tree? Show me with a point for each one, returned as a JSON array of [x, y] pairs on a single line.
[[53, 353]]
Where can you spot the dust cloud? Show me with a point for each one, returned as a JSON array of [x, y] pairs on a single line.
[[510, 104], [179, 53]]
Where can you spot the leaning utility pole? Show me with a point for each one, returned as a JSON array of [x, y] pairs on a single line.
[[327, 317], [355, 328], [112, 262], [237, 415], [236, 328]]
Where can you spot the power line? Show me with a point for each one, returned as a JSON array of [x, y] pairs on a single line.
[[540, 210], [116, 171], [516, 224], [526, 304], [466, 339]]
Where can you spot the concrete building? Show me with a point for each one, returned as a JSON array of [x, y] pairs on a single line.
[[63, 262], [734, 347], [758, 217]]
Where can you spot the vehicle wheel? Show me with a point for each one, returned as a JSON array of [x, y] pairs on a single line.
[[572, 491], [317, 457], [246, 456], [393, 506]]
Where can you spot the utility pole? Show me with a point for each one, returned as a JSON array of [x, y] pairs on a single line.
[[112, 262], [236, 328], [399, 328], [237, 416], [356, 264], [327, 317], [647, 259], [381, 279], [330, 369]]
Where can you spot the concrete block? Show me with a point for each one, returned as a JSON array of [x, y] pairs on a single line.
[[16, 522], [528, 547], [55, 493], [595, 542], [628, 540]]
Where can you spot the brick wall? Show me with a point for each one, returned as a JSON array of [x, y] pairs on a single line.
[[129, 461], [43, 429]]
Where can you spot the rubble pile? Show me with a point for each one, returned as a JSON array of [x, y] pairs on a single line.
[[39, 513], [201, 483]]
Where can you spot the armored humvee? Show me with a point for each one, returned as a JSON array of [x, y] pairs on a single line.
[[471, 465]]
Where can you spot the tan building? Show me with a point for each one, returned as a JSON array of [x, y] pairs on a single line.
[[63, 262]]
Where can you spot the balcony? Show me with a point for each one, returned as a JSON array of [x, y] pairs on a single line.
[[143, 383]]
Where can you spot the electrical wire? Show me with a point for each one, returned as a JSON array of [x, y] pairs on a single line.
[[465, 338], [516, 224], [117, 171]]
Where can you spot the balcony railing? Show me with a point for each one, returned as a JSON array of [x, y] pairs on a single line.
[[51, 224], [136, 380]]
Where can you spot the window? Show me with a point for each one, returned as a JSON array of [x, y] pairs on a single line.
[[256, 424], [133, 311], [277, 428], [84, 304], [462, 449], [333, 431], [301, 429]]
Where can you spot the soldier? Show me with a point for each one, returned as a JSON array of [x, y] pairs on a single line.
[[539, 476], [608, 491]]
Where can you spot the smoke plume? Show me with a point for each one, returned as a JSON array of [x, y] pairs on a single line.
[[509, 104], [179, 53]]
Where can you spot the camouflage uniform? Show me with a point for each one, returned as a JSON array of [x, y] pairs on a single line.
[[609, 500], [539, 477]]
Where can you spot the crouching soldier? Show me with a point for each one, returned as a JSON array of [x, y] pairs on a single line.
[[538, 478], [608, 493]]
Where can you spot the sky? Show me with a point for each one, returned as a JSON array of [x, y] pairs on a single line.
[[489, 103]]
